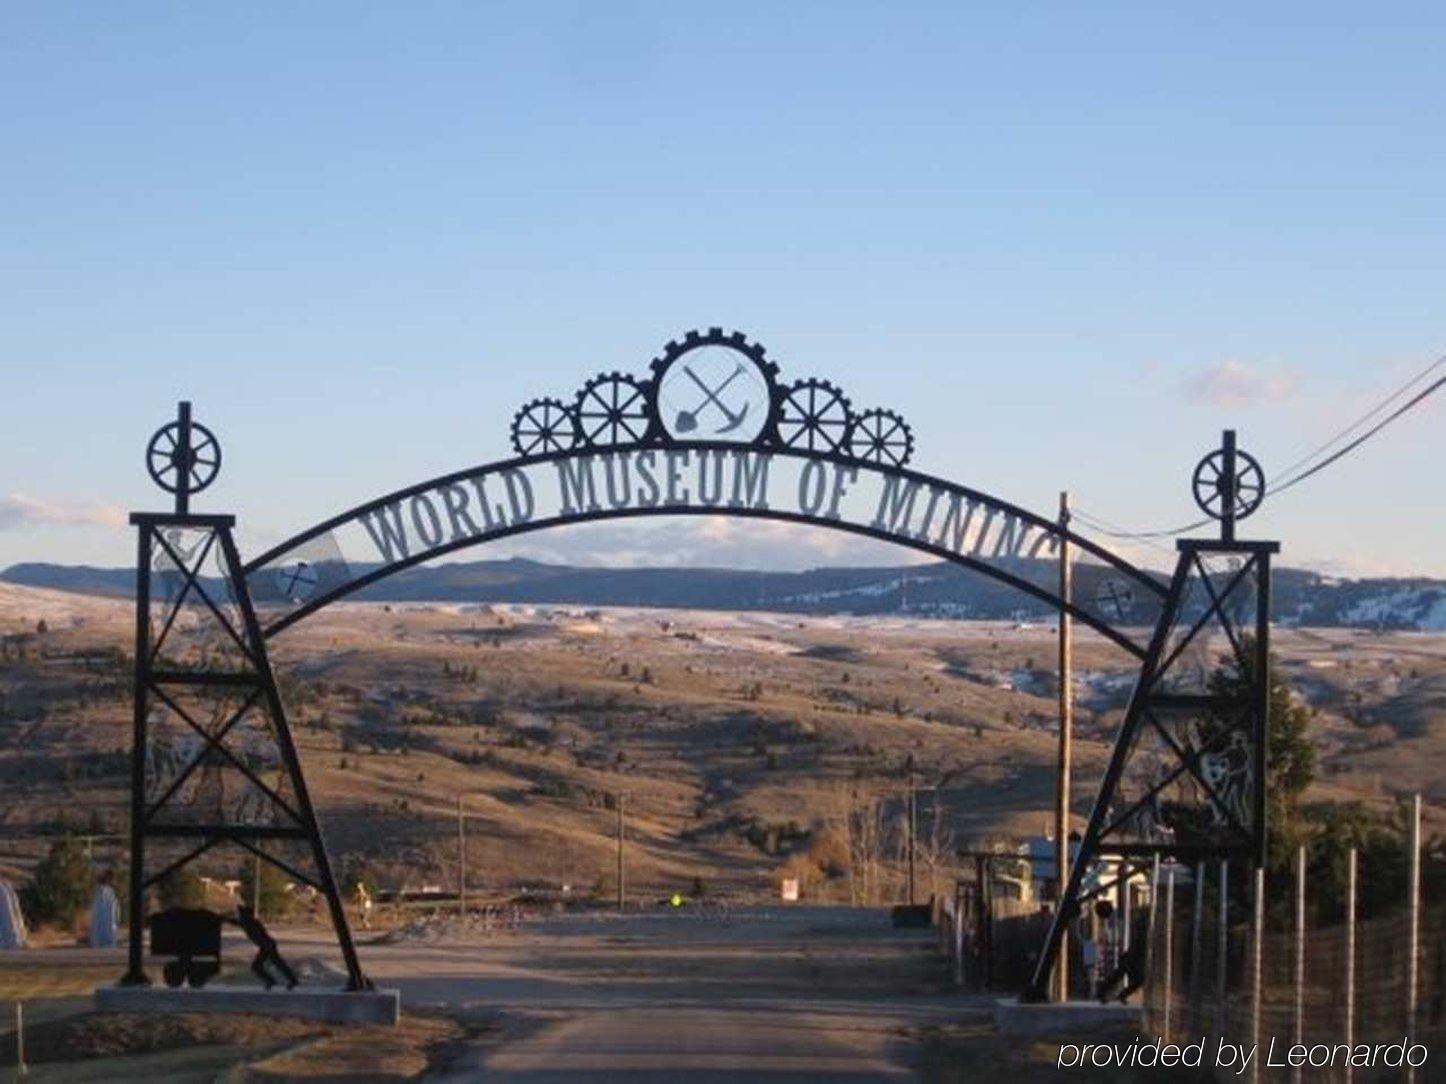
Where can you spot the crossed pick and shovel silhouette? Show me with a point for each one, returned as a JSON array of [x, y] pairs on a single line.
[[687, 420]]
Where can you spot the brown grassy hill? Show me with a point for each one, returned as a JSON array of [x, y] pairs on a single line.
[[739, 740]]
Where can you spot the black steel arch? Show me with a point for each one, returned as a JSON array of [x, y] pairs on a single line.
[[1112, 631], [1192, 722]]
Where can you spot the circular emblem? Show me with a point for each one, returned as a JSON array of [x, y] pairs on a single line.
[[296, 581], [1114, 598], [714, 386]]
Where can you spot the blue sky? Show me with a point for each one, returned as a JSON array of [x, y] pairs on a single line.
[[1069, 243]]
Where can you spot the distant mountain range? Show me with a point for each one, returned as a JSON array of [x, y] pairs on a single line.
[[939, 589]]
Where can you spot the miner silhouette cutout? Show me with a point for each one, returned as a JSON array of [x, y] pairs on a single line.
[[266, 949]]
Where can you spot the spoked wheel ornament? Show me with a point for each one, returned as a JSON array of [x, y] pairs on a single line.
[[544, 426], [1228, 483], [612, 409], [183, 457], [813, 416], [881, 437]]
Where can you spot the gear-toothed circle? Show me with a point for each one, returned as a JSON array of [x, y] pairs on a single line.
[[813, 416], [715, 385], [612, 409], [881, 437], [192, 467], [544, 426], [1210, 484]]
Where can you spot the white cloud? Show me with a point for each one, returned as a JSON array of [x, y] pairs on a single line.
[[1234, 383], [19, 511]]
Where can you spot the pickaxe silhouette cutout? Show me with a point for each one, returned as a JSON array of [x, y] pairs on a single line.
[[688, 419]]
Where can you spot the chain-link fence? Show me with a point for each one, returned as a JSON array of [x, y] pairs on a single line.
[[1342, 1000], [1323, 979]]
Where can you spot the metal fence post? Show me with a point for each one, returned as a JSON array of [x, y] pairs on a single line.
[[1169, 948], [1195, 920], [1222, 958], [1299, 953], [958, 932], [20, 1068], [1256, 945], [1350, 955], [1151, 926], [1413, 941]]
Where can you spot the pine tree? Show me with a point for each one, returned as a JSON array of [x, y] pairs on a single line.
[[61, 885], [1290, 761]]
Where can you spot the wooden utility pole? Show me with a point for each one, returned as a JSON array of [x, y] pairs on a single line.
[[1066, 724], [461, 859], [622, 882]]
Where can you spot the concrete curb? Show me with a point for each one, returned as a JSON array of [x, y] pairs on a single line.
[[331, 1006], [1013, 1017]]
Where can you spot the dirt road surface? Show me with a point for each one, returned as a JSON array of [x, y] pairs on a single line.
[[766, 994]]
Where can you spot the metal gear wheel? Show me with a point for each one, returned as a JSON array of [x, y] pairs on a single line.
[[544, 426], [680, 418], [813, 416], [613, 409], [716, 336], [881, 437]]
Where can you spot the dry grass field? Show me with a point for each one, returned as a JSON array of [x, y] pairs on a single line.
[[737, 738]]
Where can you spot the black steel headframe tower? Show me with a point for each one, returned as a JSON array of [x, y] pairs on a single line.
[[1187, 778], [213, 760]]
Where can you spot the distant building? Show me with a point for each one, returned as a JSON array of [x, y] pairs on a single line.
[[1043, 880]]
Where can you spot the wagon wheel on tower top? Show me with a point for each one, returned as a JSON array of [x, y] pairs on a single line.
[[612, 409], [813, 416], [175, 464], [1210, 484], [881, 437], [544, 426]]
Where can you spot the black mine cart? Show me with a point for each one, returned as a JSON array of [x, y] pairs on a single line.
[[193, 938]]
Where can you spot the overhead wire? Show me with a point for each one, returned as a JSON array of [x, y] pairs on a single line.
[[1364, 418], [1411, 403]]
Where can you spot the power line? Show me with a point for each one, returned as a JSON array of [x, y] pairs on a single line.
[[1367, 435], [1364, 418], [1114, 530], [1139, 536]]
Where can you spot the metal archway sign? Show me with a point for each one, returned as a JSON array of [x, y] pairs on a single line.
[[710, 430]]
